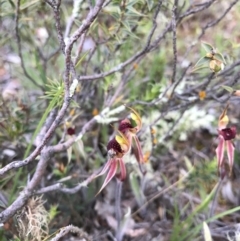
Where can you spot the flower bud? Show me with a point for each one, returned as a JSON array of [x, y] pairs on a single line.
[[215, 65]]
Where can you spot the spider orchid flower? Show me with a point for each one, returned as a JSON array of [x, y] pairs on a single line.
[[117, 148], [225, 136], [130, 127]]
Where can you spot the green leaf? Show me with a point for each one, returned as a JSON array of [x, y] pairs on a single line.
[[80, 148], [206, 232], [202, 61], [126, 25], [136, 189], [220, 57], [208, 47], [227, 88], [50, 107], [200, 67], [128, 29], [133, 2], [134, 12], [199, 227], [150, 4], [82, 58], [69, 153], [53, 212], [40, 124]]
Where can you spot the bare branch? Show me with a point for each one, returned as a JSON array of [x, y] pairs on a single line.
[[61, 188], [46, 126], [121, 66], [71, 229], [28, 190], [174, 39], [215, 22], [196, 10]]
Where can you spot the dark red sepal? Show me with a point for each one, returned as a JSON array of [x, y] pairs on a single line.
[[113, 144], [228, 133], [71, 131]]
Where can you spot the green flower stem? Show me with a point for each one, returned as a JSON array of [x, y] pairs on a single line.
[[118, 209]]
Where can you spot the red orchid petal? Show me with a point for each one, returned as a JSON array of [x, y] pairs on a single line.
[[111, 173], [125, 125], [123, 172], [129, 138], [139, 155], [230, 153], [105, 168], [220, 151]]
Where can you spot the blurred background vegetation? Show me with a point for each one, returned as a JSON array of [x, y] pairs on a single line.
[[179, 108]]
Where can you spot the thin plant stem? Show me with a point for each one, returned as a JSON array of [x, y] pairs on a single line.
[[214, 202], [118, 209]]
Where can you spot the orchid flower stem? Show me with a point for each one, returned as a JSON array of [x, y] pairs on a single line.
[[214, 202], [118, 209]]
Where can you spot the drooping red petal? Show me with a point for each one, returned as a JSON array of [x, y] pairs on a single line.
[[111, 173], [220, 151], [105, 168], [123, 172], [230, 153], [139, 153]]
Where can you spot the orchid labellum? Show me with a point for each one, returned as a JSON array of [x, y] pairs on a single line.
[[225, 136], [130, 127], [117, 148]]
